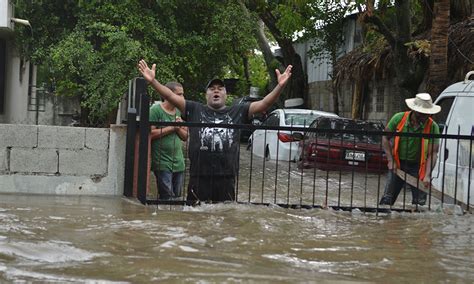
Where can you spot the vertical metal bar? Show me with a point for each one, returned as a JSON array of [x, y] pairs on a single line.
[[276, 168], [380, 173], [237, 178], [444, 167], [184, 190], [327, 171], [314, 166], [160, 142], [366, 170], [431, 170], [264, 160], [352, 177], [289, 169], [302, 168], [405, 174], [470, 170], [457, 167], [340, 174], [144, 131], [251, 165], [130, 152]]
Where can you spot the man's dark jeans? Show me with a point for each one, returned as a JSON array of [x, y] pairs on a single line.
[[394, 185]]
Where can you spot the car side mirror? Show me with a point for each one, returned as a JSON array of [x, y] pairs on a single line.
[[298, 136]]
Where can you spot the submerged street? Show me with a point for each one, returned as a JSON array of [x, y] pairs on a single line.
[[86, 239]]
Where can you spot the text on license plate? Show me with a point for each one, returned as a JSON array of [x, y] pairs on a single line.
[[355, 155]]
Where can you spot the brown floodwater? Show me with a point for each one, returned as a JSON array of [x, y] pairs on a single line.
[[80, 239]]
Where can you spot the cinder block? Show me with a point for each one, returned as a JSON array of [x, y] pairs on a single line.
[[83, 162], [3, 159], [97, 138], [33, 160], [61, 137], [18, 135]]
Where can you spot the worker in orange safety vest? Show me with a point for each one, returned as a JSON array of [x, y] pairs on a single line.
[[414, 155]]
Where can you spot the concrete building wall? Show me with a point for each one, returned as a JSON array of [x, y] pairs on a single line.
[[321, 98], [62, 160], [16, 87]]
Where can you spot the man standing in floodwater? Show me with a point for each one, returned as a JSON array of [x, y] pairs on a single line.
[[213, 151], [167, 160], [414, 155]]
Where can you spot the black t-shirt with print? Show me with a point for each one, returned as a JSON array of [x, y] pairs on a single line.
[[214, 151]]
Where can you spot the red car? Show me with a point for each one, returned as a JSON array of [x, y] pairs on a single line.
[[334, 147]]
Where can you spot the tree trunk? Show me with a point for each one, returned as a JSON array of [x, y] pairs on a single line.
[[263, 43], [297, 87], [270, 60], [358, 99], [409, 72], [245, 62], [335, 91], [461, 10], [427, 20], [438, 69]]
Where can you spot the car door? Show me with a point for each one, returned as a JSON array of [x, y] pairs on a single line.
[[262, 137]]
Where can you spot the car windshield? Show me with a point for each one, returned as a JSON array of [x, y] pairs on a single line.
[[300, 118], [344, 125]]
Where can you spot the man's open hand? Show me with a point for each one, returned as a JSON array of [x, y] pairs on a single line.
[[147, 73], [283, 78]]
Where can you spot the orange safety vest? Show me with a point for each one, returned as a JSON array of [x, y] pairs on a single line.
[[426, 130]]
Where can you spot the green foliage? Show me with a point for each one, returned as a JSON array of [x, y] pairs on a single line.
[[258, 73], [374, 42], [90, 48]]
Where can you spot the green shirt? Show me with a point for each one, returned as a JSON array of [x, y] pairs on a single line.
[[410, 147], [167, 151]]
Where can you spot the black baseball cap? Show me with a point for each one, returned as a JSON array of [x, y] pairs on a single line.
[[215, 81]]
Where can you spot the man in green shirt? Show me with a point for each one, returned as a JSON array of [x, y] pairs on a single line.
[[414, 155], [167, 147]]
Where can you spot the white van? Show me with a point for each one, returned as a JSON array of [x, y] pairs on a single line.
[[453, 171]]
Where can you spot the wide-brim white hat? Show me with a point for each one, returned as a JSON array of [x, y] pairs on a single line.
[[423, 103]]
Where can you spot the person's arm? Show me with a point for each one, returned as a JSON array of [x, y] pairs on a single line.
[[272, 97], [430, 162], [182, 131], [157, 133], [387, 148], [165, 92]]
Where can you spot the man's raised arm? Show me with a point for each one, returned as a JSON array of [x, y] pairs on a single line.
[[272, 97], [165, 92]]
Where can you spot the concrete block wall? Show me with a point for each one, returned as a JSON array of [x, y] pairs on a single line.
[[62, 160]]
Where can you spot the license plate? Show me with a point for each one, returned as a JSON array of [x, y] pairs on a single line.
[[355, 156]]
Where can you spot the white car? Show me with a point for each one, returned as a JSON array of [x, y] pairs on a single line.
[[267, 143]]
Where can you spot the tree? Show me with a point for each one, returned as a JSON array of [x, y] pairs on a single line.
[[409, 67], [438, 69], [412, 58], [91, 47], [282, 21], [264, 44]]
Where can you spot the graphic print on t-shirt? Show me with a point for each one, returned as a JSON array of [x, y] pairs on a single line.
[[216, 139]]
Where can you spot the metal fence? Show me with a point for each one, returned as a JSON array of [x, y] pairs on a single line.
[[324, 168], [345, 176]]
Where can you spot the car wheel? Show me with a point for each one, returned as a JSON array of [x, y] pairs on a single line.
[[249, 144], [267, 153]]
